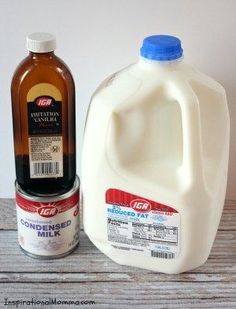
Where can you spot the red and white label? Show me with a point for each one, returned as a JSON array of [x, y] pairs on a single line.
[[46, 209], [141, 225], [44, 101], [141, 205], [48, 228], [125, 199]]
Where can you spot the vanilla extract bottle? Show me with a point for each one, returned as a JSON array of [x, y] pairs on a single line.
[[43, 107]]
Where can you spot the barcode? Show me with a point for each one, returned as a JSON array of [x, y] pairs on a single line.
[[163, 255], [46, 168]]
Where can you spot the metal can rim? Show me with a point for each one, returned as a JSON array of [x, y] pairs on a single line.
[[48, 198]]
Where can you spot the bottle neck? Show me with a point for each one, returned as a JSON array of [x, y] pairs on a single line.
[[169, 64], [42, 56]]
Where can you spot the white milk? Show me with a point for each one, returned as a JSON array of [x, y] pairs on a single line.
[[155, 159]]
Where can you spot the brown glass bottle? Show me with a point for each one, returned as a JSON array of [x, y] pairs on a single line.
[[43, 107]]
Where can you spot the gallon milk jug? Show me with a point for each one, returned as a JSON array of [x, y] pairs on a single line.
[[155, 160]]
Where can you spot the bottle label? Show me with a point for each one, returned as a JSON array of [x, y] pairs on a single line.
[[48, 228], [141, 226], [44, 104]]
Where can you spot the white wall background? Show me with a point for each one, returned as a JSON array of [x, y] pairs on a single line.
[[98, 37]]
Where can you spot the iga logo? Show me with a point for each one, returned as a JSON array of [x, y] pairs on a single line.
[[44, 101], [140, 205], [47, 211]]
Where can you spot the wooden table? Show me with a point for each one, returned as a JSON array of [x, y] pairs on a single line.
[[88, 275]]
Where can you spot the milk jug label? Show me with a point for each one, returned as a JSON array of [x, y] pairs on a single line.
[[45, 131], [139, 225]]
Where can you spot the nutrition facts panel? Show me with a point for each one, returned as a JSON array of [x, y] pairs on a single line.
[[157, 233], [144, 236]]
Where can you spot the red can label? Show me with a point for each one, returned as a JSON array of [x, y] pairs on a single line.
[[48, 228]]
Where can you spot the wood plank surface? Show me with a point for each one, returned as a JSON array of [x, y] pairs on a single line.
[[87, 274], [138, 295]]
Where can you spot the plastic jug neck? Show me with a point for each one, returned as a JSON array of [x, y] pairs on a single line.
[[155, 64]]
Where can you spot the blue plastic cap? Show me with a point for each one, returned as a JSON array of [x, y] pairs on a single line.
[[161, 48]]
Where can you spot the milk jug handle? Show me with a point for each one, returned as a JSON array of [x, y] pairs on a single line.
[[192, 167]]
